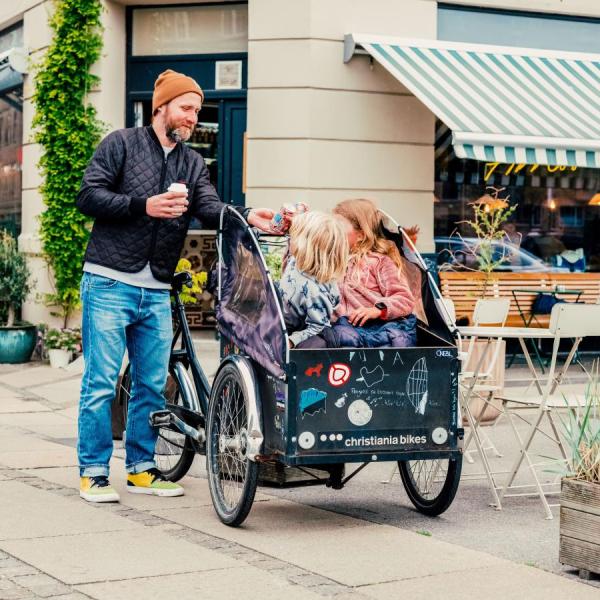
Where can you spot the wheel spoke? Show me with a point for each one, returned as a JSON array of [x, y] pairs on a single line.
[[428, 476], [230, 464], [170, 445]]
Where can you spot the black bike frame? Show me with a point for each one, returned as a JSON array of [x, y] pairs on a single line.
[[187, 355]]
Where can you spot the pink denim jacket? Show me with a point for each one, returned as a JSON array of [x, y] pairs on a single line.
[[376, 278]]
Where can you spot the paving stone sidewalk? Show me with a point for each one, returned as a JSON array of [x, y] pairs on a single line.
[[53, 545]]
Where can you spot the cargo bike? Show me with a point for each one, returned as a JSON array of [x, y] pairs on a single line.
[[330, 411]]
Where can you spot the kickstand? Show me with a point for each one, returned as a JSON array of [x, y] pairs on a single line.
[[336, 474]]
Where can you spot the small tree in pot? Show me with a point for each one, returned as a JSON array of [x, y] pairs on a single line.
[[17, 339]]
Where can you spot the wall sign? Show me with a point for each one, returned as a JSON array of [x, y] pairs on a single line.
[[228, 75], [514, 168]]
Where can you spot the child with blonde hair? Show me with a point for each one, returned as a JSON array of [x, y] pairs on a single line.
[[376, 302], [309, 289]]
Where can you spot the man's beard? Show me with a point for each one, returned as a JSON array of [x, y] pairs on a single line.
[[178, 134]]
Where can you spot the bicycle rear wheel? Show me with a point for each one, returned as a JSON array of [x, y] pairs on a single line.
[[431, 484], [174, 452], [232, 476]]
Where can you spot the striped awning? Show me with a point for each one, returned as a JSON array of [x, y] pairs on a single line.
[[502, 104]]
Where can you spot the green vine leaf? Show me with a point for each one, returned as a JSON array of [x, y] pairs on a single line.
[[68, 130]]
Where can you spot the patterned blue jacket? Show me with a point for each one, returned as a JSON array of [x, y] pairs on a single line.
[[308, 305]]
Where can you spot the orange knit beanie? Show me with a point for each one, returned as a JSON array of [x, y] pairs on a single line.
[[171, 84]]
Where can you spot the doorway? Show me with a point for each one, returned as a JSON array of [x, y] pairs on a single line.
[[218, 137]]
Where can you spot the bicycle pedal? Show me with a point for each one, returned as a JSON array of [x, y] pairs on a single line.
[[160, 418]]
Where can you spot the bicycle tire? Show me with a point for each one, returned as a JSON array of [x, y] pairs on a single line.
[[232, 476], [429, 500], [173, 392]]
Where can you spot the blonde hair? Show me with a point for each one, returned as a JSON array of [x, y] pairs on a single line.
[[364, 216], [319, 245]]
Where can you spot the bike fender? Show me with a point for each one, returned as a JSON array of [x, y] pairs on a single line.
[[190, 395], [255, 432]]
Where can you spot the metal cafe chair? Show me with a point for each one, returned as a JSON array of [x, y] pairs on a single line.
[[478, 384], [478, 387], [567, 322]]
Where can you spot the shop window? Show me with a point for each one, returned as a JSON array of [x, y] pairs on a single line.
[[12, 37], [572, 216], [517, 28], [558, 208], [11, 136], [190, 30]]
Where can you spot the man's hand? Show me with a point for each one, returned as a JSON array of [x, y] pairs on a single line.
[[261, 218], [169, 205], [363, 314]]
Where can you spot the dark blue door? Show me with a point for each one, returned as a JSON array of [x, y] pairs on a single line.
[[231, 161]]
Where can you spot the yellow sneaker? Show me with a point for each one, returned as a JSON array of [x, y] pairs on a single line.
[[153, 483], [97, 489]]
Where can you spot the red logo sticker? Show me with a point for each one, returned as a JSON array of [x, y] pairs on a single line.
[[314, 371], [339, 373]]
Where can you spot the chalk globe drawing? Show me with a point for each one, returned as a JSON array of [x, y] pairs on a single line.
[[416, 386], [359, 413]]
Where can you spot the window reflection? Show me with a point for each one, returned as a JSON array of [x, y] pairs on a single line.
[[11, 135], [558, 209], [190, 30]]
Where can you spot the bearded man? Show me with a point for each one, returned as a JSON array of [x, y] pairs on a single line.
[[136, 240]]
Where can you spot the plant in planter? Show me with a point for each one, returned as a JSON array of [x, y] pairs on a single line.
[[60, 345], [580, 489], [17, 339], [490, 214]]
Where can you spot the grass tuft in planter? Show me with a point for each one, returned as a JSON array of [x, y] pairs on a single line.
[[580, 489]]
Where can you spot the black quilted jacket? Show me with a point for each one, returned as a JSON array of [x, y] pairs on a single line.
[[128, 167]]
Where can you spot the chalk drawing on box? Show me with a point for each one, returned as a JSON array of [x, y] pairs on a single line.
[[417, 386]]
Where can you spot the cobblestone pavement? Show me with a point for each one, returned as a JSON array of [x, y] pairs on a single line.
[[297, 544], [21, 580]]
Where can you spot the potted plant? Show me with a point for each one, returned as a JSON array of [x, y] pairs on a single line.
[[60, 345], [17, 339], [483, 256], [580, 488], [491, 212]]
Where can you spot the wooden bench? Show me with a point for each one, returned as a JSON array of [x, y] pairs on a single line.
[[466, 287]]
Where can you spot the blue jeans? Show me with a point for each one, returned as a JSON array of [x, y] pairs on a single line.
[[116, 316], [400, 333]]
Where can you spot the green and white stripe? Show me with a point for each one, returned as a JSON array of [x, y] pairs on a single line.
[[510, 105]]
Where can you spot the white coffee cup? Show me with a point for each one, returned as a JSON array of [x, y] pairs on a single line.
[[178, 187]]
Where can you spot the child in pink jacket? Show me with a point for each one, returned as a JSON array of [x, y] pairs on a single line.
[[376, 302]]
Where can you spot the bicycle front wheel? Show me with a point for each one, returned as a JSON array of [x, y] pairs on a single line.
[[232, 476], [431, 484], [174, 452]]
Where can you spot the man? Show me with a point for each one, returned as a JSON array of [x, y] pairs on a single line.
[[135, 243]]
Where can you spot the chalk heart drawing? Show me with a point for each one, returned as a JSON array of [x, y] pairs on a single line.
[[338, 375], [372, 377]]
